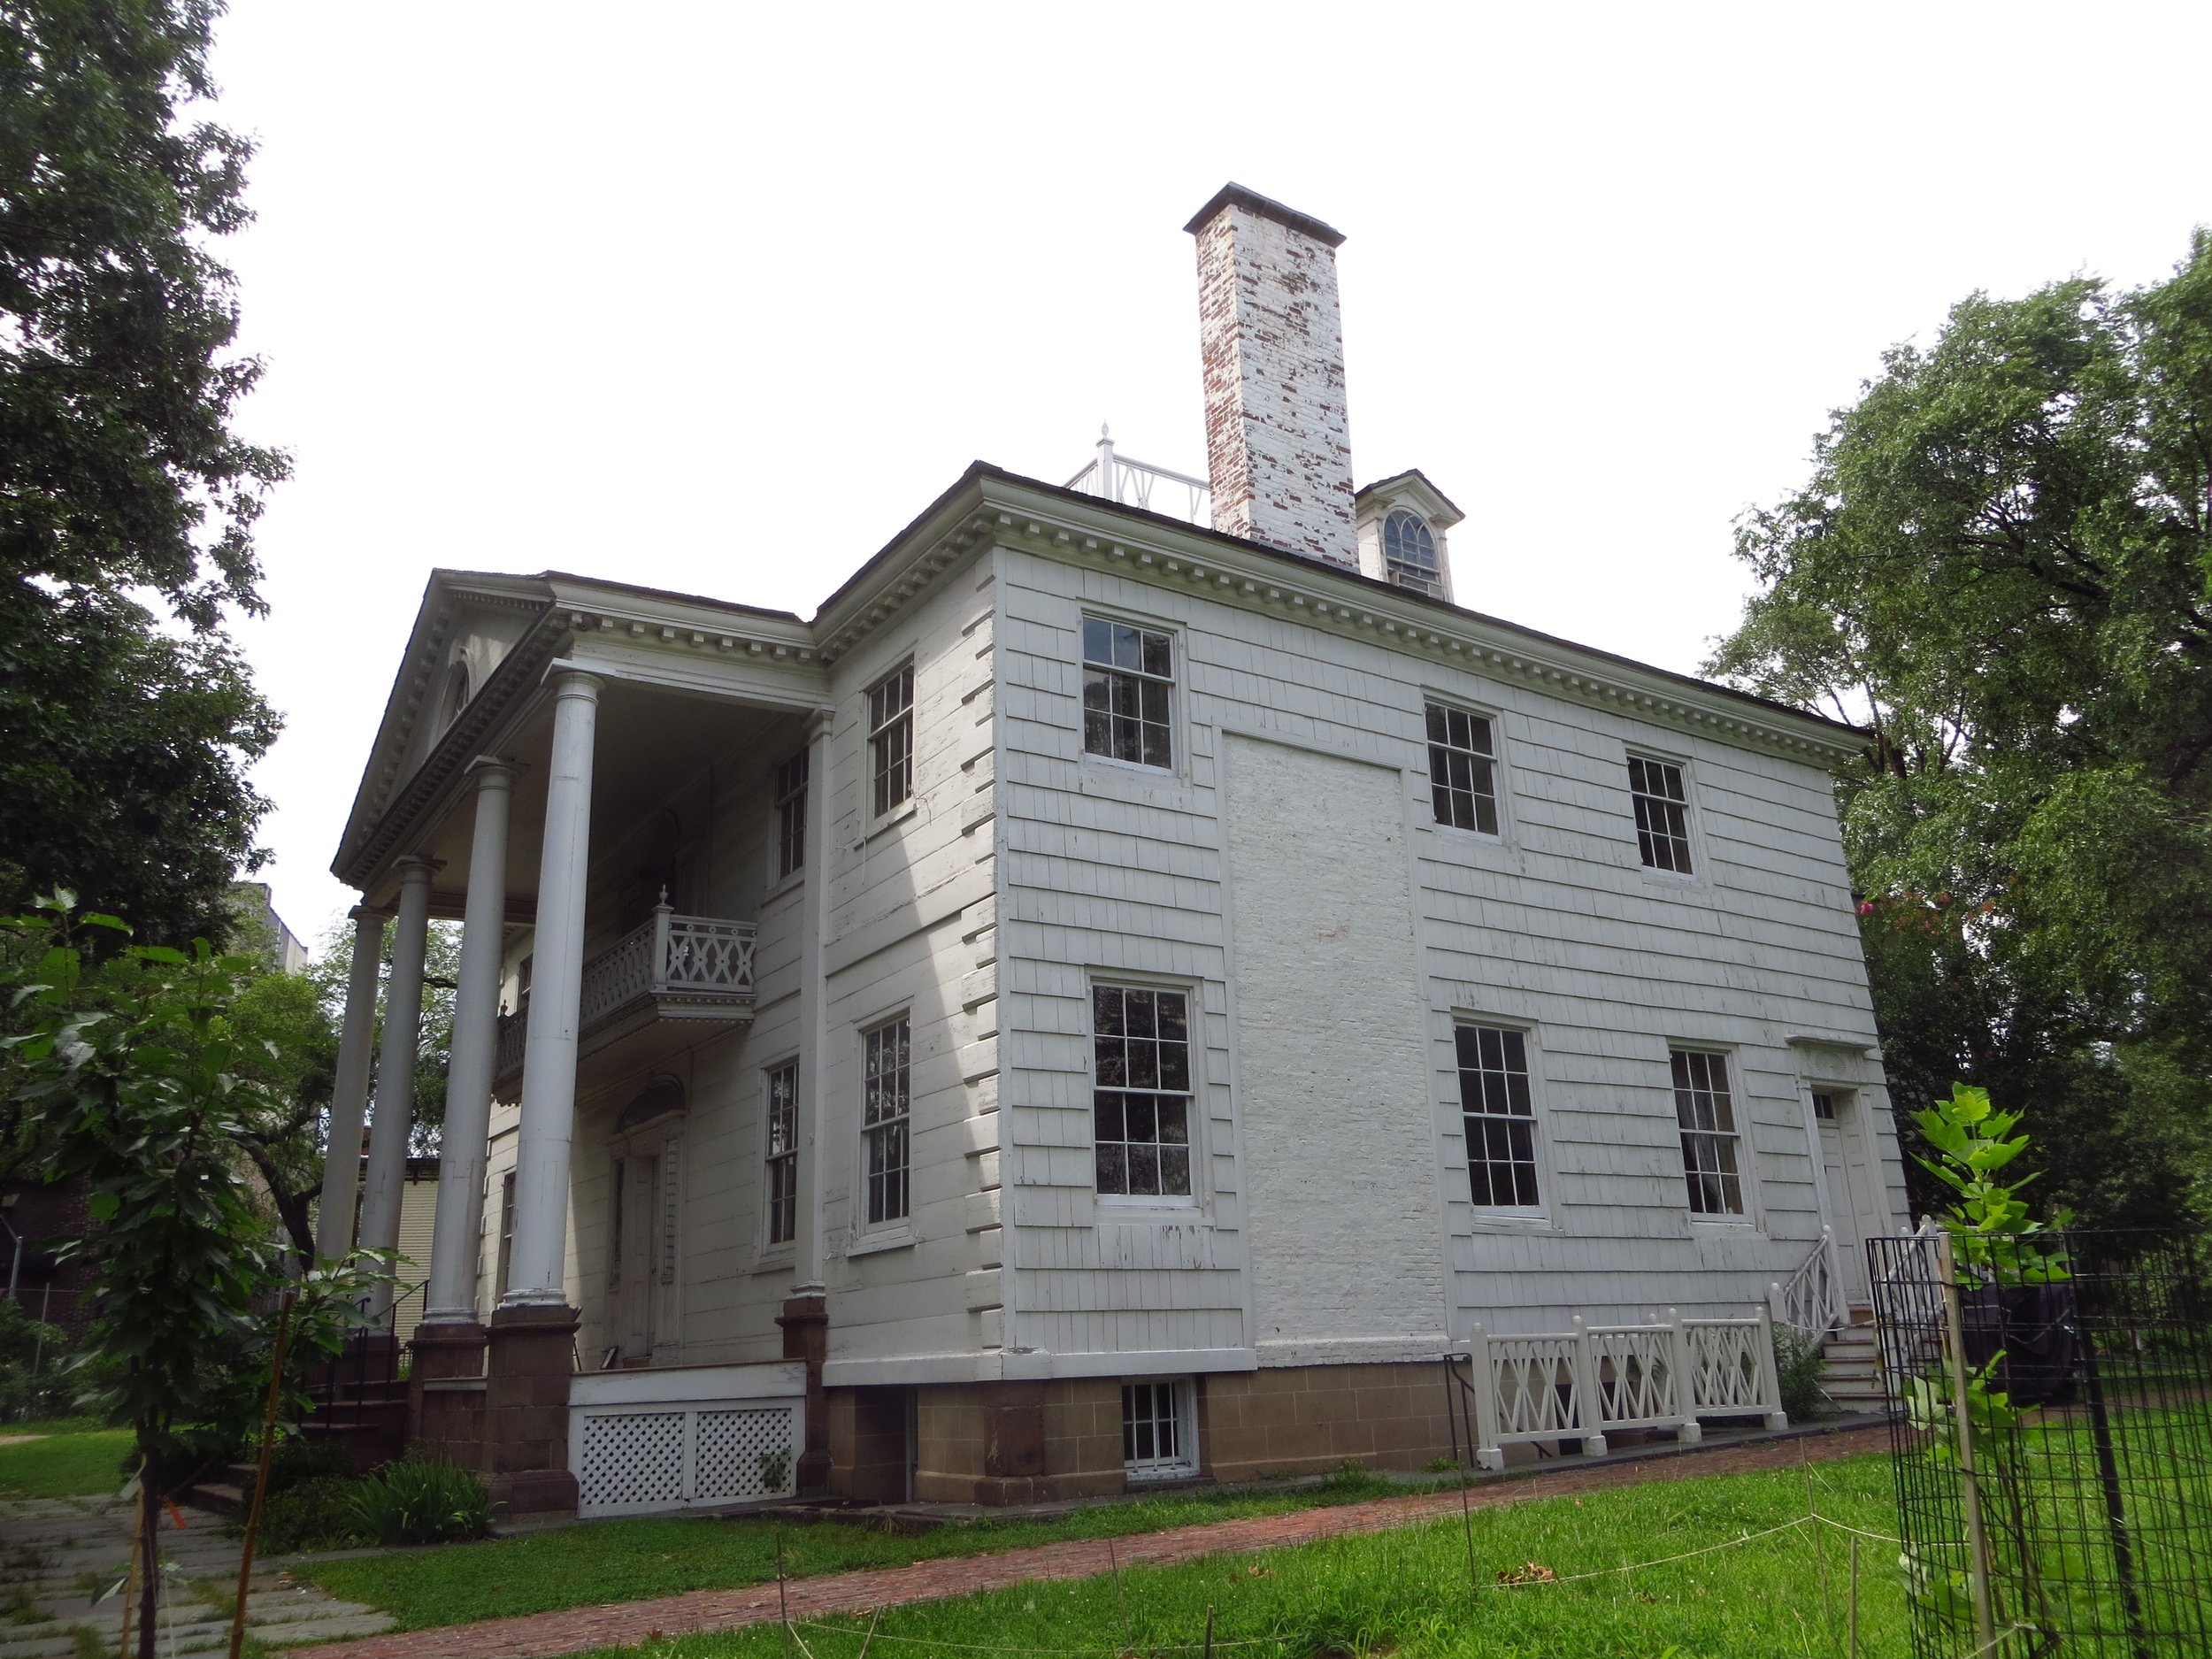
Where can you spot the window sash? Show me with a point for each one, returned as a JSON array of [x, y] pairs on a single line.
[[1140, 1101], [1462, 782], [1155, 1432], [1662, 814], [1128, 686], [1706, 1114], [891, 739], [781, 1161], [1499, 1117], [886, 1103], [791, 791]]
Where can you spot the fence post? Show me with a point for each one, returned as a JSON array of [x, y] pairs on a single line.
[[1769, 1382], [1689, 1430], [1962, 1407], [1488, 1452], [1589, 1401]]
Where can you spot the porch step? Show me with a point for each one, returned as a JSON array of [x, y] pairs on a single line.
[[1855, 1365]]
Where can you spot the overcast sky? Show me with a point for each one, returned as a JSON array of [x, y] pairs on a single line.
[[718, 296]]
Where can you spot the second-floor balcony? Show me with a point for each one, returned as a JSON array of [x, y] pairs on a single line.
[[673, 968]]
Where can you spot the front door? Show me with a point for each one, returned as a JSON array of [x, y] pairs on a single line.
[[1831, 1110], [639, 1221]]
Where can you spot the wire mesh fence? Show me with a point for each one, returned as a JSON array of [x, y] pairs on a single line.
[[2066, 1510]]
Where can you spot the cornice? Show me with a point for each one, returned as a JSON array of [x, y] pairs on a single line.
[[1071, 528]]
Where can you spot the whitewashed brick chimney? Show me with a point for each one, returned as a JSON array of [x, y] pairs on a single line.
[[1278, 452]]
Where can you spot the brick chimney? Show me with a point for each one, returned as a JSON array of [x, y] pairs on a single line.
[[1278, 451]]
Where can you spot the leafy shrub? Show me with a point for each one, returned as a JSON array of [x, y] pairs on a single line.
[[422, 1501], [1800, 1366], [34, 1380], [313, 1514]]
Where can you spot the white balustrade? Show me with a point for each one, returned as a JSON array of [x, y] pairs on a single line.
[[694, 966], [1117, 479], [1813, 1304], [1578, 1383]]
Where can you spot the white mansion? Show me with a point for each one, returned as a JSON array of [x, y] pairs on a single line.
[[1108, 998]]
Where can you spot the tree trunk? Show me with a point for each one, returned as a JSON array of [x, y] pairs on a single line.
[[149, 1559]]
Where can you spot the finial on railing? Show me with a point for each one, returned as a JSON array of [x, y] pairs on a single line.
[[663, 904]]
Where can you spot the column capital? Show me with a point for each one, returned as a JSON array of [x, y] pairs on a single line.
[[494, 771], [368, 913], [568, 680], [818, 722], [414, 867]]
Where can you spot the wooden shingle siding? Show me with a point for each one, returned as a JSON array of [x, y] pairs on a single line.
[[1556, 926]]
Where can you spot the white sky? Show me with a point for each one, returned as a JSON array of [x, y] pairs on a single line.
[[718, 296]]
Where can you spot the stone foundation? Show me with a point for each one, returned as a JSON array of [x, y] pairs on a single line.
[[1006, 1443], [530, 1360], [446, 1392]]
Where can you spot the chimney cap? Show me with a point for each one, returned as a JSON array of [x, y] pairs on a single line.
[[1253, 201]]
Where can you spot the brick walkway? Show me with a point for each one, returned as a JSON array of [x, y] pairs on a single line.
[[579, 1630]]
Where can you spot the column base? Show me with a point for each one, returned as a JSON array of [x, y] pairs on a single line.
[[806, 1321], [446, 1392], [530, 1361]]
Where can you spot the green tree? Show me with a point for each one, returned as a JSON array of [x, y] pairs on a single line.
[[131, 1074], [2000, 568], [127, 502]]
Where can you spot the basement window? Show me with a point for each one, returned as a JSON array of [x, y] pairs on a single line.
[[1159, 1429]]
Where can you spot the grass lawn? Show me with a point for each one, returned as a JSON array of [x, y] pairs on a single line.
[[1407, 1591], [76, 1459], [631, 1560]]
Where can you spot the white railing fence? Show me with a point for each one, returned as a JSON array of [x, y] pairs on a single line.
[[1578, 1383], [1133, 483], [1813, 1302], [671, 956]]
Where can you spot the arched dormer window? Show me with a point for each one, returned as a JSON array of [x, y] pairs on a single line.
[[1409, 552], [457, 692]]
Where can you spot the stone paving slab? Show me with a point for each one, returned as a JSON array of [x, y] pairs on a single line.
[[580, 1630]]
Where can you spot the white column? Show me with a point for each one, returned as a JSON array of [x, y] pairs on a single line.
[[534, 1266], [811, 1277], [349, 1097], [468, 1094], [394, 1115]]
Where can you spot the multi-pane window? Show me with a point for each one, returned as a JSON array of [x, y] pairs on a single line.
[[1501, 1117], [1154, 1439], [1662, 814], [1824, 1107], [506, 1228], [1409, 553], [1459, 777], [791, 814], [883, 1119], [891, 739], [781, 1168], [1709, 1142], [1141, 1106], [1127, 675]]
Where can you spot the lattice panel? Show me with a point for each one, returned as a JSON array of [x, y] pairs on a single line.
[[1536, 1392], [739, 1450], [708, 955], [1724, 1367], [633, 1458], [1635, 1384]]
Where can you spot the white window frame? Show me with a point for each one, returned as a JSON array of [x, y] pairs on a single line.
[[801, 801], [770, 1159], [1184, 1465], [865, 1221], [1176, 734], [873, 735], [1537, 1151], [1193, 1109], [1430, 584], [1699, 863], [1490, 717], [1738, 1100]]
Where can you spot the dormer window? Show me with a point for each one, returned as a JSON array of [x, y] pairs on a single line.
[[1409, 553]]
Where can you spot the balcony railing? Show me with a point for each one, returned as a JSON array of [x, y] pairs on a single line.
[[1132, 482], [674, 967]]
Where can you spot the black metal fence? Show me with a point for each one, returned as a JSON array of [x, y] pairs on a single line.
[[2067, 1510]]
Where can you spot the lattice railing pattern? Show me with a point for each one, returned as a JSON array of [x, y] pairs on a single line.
[[683, 956], [1577, 1383], [1813, 1301], [1725, 1370]]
